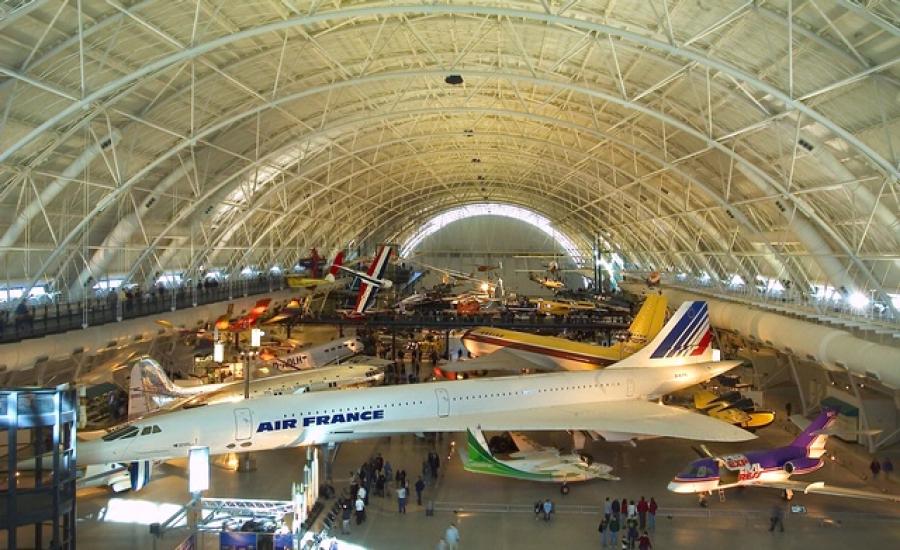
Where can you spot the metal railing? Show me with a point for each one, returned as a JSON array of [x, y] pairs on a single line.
[[54, 318], [789, 301]]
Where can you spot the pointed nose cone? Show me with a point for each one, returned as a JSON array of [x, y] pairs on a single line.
[[677, 487]]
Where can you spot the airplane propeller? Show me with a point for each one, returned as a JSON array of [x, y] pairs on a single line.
[[702, 451]]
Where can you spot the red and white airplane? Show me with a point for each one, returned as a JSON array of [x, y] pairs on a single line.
[[371, 280]]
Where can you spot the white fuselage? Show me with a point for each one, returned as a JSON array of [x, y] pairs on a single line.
[[323, 354], [324, 378], [325, 417], [568, 467]]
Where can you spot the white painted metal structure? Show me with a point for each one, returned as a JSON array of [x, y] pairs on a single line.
[[732, 137]]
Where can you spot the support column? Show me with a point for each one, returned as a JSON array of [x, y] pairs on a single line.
[[793, 364], [863, 416]]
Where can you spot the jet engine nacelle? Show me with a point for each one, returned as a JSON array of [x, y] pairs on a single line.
[[789, 467]]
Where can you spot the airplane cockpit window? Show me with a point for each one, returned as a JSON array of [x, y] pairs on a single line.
[[156, 429], [147, 430], [700, 469], [122, 433]]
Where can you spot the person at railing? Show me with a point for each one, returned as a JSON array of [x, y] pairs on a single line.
[[24, 317]]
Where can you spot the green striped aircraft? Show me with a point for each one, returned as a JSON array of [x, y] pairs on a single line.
[[532, 462]]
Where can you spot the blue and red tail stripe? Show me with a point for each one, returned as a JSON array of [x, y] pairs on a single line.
[[691, 335]]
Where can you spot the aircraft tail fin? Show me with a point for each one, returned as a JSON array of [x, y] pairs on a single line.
[[649, 320], [335, 266], [367, 289], [815, 435], [684, 340], [148, 386], [478, 449]]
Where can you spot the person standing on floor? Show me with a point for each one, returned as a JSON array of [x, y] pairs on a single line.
[[426, 468], [420, 486], [777, 518], [644, 542], [603, 528], [632, 509], [875, 466], [452, 537], [642, 507], [360, 511], [887, 467], [607, 509], [401, 499], [651, 515], [345, 517], [388, 471], [435, 460], [615, 508], [614, 530], [624, 508], [379, 484], [547, 507], [631, 526]]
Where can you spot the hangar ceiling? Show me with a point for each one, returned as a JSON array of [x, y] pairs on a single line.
[[726, 137]]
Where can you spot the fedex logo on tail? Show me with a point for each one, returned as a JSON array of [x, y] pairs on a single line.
[[690, 333]]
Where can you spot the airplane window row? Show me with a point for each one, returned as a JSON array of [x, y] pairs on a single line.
[[367, 408]]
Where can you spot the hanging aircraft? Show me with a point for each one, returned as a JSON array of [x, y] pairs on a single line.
[[453, 277], [619, 401], [772, 468], [511, 350], [548, 281], [371, 281], [224, 323], [311, 283], [290, 312], [486, 268], [531, 462]]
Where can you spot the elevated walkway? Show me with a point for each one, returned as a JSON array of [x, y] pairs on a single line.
[[56, 318], [450, 322], [80, 343]]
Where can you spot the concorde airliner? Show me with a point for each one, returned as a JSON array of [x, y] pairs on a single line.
[[614, 402]]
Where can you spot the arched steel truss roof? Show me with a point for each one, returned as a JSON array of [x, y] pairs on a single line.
[[748, 137]]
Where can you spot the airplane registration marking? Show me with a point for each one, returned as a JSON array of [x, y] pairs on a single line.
[[751, 473], [736, 462]]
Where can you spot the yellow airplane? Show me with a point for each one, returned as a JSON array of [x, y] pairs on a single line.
[[511, 350], [547, 282], [732, 408], [310, 283], [563, 307]]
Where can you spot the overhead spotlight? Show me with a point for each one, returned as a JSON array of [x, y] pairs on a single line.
[[469, 132], [454, 79], [476, 160]]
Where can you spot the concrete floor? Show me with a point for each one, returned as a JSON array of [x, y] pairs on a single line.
[[495, 513]]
